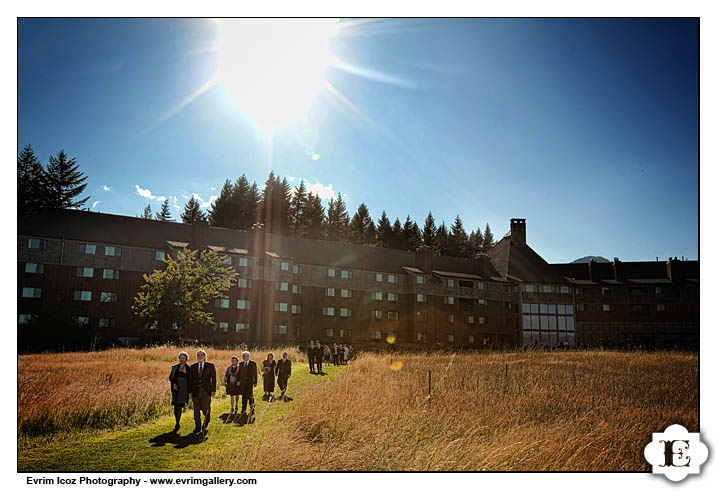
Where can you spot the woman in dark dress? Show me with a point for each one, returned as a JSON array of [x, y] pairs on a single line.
[[270, 367], [231, 383], [179, 378]]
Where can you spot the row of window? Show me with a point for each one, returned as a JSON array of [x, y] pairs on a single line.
[[79, 295], [224, 326], [606, 307], [548, 322], [548, 338], [25, 319], [547, 308], [530, 288]]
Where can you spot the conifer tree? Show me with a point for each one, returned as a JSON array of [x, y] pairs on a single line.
[[441, 241], [297, 208], [429, 232], [362, 227], [337, 220], [147, 213], [398, 236], [476, 242], [488, 238], [64, 182], [458, 240], [220, 214], [31, 186], [384, 233], [411, 234], [164, 214], [314, 217], [192, 212]]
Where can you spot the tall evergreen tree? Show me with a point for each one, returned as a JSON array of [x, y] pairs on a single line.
[[429, 232], [458, 240], [362, 227], [31, 186], [242, 209], [147, 213], [220, 214], [164, 214], [384, 233], [192, 212], [399, 241], [275, 204], [488, 238], [441, 241], [476, 242], [297, 208], [314, 217], [64, 182], [411, 234], [337, 220]]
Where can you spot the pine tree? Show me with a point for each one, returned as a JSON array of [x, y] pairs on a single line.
[[441, 241], [147, 213], [384, 233], [314, 217], [275, 205], [458, 240], [411, 234], [252, 205], [241, 214], [476, 242], [488, 238], [64, 182], [399, 239], [362, 227], [31, 187], [164, 214], [220, 214], [297, 209], [337, 220], [192, 212], [429, 232]]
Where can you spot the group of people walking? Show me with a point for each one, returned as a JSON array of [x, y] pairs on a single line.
[[199, 381], [318, 353]]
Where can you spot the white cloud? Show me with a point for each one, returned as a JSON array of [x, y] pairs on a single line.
[[146, 193], [212, 188], [291, 178], [202, 203], [95, 204], [105, 187], [324, 192], [174, 203]]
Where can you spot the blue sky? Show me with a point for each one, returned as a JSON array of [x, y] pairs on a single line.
[[587, 128]]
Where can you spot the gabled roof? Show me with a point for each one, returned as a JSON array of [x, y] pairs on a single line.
[[519, 261], [451, 274]]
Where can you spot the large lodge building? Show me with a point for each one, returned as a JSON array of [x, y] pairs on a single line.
[[291, 290]]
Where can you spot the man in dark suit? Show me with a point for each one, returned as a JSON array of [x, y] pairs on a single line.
[[310, 356], [284, 371], [247, 382], [318, 355], [202, 386]]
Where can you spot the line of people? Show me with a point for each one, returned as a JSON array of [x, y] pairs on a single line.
[[318, 353], [199, 381]]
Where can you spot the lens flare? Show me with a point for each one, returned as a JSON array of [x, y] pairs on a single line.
[[391, 339]]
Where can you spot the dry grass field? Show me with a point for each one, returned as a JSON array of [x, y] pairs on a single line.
[[530, 410]]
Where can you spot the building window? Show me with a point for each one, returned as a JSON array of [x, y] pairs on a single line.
[[547, 288], [83, 295], [659, 290], [34, 268], [376, 314], [329, 332], [565, 289], [471, 338], [378, 277], [36, 244], [112, 251], [345, 333], [159, 255], [82, 320], [391, 278], [375, 334], [239, 326], [346, 274], [331, 272], [482, 320], [221, 326], [89, 248], [243, 304], [420, 297], [482, 302], [419, 280], [111, 274], [282, 286], [106, 322], [280, 329], [221, 303], [637, 291], [660, 307], [296, 289], [28, 292], [329, 292], [244, 283], [345, 312], [605, 290], [392, 297], [450, 337], [24, 319], [85, 272], [449, 282], [529, 288], [284, 266], [580, 307], [227, 260], [450, 318], [376, 295], [481, 285], [638, 308], [297, 269], [449, 300], [280, 307], [421, 336], [606, 307], [296, 309], [244, 262], [109, 297], [328, 311], [470, 319], [346, 293], [421, 316], [392, 316]]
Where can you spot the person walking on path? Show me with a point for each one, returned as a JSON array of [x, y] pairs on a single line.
[[179, 385], [284, 371], [310, 356], [231, 383], [269, 367], [203, 386], [318, 354], [247, 382]]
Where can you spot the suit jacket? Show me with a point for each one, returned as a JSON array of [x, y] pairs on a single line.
[[208, 381], [284, 368], [318, 353], [310, 353], [247, 374]]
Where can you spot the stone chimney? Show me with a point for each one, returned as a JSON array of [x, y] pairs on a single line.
[[518, 231], [616, 269], [673, 269], [200, 233], [423, 258], [591, 262]]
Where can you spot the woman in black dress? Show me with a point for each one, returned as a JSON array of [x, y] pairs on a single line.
[[270, 367], [231, 384], [179, 386]]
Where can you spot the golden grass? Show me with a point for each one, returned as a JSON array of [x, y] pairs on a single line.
[[70, 391], [505, 411]]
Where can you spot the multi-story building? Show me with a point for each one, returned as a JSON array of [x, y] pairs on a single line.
[[289, 290]]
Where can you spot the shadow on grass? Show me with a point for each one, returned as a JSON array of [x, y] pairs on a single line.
[[179, 441]]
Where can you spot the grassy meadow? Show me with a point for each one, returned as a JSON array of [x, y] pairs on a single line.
[[533, 410]]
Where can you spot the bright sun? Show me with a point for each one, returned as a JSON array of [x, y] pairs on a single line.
[[272, 68]]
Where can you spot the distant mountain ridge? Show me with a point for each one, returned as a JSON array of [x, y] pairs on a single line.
[[585, 259]]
